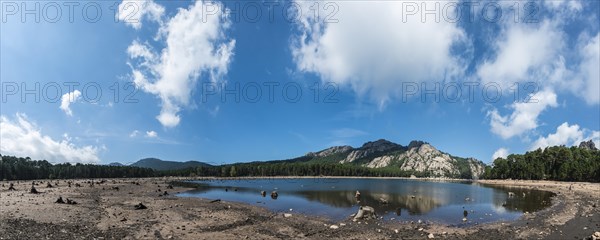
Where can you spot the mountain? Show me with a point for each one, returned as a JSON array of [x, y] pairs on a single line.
[[418, 156], [116, 164], [161, 165]]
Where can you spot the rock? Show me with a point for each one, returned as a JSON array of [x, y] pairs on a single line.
[[588, 145], [263, 193], [334, 227], [287, 215], [365, 212], [511, 194], [49, 185], [274, 195], [140, 206], [464, 219], [342, 224], [420, 229], [383, 201], [69, 201], [396, 231], [59, 200], [430, 236], [357, 195], [596, 236], [465, 213]]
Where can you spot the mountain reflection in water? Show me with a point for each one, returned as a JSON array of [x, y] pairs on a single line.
[[406, 200]]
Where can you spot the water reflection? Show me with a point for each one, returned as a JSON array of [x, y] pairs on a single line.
[[399, 199]]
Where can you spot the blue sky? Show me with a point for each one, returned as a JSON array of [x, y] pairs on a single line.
[[168, 72]]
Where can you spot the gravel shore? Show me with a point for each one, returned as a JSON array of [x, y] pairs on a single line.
[[105, 210]]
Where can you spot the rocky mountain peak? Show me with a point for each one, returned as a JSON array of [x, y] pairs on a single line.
[[330, 151], [588, 145], [415, 143]]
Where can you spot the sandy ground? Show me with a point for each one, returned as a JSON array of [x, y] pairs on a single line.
[[103, 212]]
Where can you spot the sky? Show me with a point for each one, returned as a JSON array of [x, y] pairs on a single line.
[[236, 81]]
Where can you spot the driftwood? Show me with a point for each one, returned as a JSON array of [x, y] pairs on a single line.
[[365, 212], [140, 206], [216, 200]]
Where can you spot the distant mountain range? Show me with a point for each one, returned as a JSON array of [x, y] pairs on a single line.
[[162, 165], [418, 157]]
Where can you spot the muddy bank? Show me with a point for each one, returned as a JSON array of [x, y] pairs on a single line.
[[105, 209]]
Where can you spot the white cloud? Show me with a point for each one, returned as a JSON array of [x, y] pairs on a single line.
[[67, 99], [524, 53], [524, 116], [133, 12], [372, 50], [500, 153], [151, 134], [134, 133], [589, 70], [21, 137], [194, 47], [568, 135]]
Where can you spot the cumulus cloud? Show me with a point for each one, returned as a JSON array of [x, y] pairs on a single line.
[[371, 49], [151, 134], [567, 135], [589, 70], [134, 133], [133, 12], [21, 137], [500, 153], [524, 116], [524, 53], [195, 47], [67, 99]]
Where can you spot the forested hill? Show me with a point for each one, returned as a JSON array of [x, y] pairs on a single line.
[[553, 163], [18, 168]]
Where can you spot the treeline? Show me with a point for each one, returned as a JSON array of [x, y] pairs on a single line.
[[268, 169], [18, 168], [553, 163]]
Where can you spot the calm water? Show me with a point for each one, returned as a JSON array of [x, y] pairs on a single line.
[[441, 202]]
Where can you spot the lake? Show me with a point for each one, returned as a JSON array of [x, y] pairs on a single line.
[[407, 200]]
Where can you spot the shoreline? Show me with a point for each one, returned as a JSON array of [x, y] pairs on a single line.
[[104, 212]]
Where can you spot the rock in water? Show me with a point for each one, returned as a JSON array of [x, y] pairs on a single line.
[[465, 213], [365, 212], [263, 193], [274, 195]]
